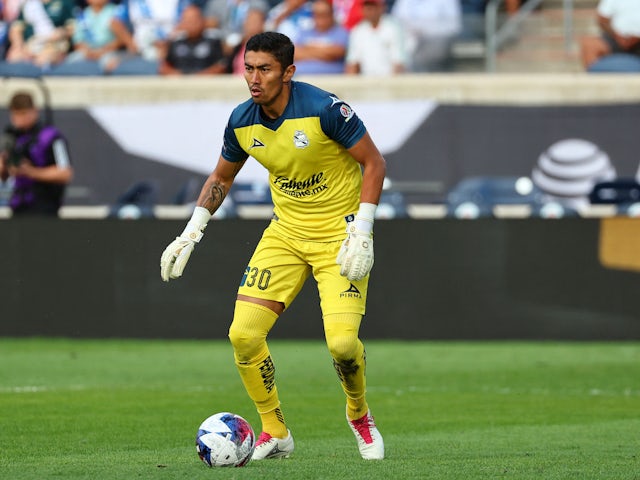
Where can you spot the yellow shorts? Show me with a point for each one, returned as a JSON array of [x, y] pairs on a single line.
[[280, 266]]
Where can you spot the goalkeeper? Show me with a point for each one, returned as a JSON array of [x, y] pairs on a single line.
[[325, 177]]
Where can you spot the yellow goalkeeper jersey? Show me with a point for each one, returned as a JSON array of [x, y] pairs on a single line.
[[315, 183]]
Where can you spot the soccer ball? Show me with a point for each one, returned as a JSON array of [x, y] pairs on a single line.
[[225, 440]]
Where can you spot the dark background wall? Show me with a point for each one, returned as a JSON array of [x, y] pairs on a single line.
[[453, 143], [435, 279]]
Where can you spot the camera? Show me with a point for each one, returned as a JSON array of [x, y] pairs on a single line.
[[8, 145]]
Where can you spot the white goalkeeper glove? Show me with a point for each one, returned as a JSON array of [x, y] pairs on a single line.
[[175, 256], [356, 253]]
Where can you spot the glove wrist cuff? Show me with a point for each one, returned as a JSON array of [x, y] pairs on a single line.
[[365, 216], [194, 230]]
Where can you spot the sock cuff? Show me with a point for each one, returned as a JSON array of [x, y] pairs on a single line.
[[351, 319], [256, 306]]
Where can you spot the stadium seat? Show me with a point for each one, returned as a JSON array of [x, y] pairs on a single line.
[[188, 192], [391, 205], [253, 193], [553, 209], [619, 191], [624, 193], [475, 197], [136, 202]]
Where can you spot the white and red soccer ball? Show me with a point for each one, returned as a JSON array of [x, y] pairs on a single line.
[[225, 440]]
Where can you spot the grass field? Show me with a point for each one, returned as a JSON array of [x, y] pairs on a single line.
[[114, 409]]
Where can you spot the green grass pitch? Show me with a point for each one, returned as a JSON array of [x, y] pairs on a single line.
[[128, 409]]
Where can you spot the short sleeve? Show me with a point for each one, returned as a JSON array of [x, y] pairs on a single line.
[[231, 150], [341, 123]]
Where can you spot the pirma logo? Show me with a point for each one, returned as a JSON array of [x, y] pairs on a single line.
[[256, 143], [351, 292]]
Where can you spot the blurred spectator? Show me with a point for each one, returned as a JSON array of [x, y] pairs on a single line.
[[39, 37], [144, 27], [229, 16], [4, 28], [512, 6], [95, 46], [618, 47], [195, 49], [431, 26], [35, 157], [253, 24], [377, 44], [290, 17], [348, 13], [85, 3], [321, 49], [617, 63], [10, 9]]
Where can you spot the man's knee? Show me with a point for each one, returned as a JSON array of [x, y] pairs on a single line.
[[249, 329], [341, 334], [343, 347], [246, 345]]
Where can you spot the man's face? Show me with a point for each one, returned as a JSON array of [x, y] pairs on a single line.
[[97, 3], [23, 119], [253, 23], [264, 77], [372, 11], [322, 16], [192, 22]]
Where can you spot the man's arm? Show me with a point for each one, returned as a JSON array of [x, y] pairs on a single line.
[[605, 25], [4, 171], [218, 184], [215, 69], [367, 154], [123, 35], [356, 253], [59, 172], [215, 189], [326, 53], [49, 174], [623, 41], [352, 68]]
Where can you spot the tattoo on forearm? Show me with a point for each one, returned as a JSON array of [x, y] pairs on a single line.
[[216, 190], [215, 197]]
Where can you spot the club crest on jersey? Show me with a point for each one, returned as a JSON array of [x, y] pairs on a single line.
[[300, 139], [346, 112]]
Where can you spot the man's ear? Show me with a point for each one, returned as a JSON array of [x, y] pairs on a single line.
[[288, 73]]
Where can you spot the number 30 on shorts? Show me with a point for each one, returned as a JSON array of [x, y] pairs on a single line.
[[253, 276]]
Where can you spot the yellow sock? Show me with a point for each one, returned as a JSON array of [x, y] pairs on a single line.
[[273, 423], [248, 334], [349, 359]]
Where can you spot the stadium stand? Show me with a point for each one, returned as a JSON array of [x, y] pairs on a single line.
[[541, 37]]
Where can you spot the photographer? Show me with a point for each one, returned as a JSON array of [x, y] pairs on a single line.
[[36, 156]]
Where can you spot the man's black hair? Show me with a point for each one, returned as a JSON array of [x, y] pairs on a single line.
[[277, 44], [21, 101]]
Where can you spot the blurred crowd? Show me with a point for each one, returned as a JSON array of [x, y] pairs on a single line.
[[186, 37], [174, 37]]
